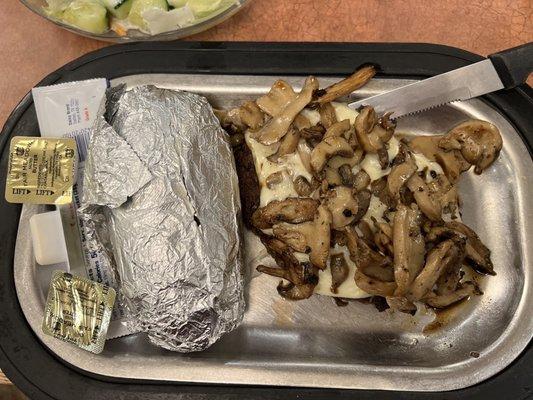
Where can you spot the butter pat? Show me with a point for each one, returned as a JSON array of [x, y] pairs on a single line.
[[48, 238], [41, 170]]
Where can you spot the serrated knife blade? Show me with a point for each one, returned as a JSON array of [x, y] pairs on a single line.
[[460, 84]]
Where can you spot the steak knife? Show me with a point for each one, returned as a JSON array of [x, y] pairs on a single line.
[[504, 70]]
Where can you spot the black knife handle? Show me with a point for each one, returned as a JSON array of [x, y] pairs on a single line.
[[514, 65]]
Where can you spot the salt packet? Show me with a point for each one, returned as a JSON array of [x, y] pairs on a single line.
[[69, 110]]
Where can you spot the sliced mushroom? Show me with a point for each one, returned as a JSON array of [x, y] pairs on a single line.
[[401, 304], [278, 126], [292, 209], [369, 262], [332, 176], [374, 286], [367, 234], [439, 259], [338, 128], [477, 254], [346, 86], [408, 245], [339, 271], [364, 125], [430, 206], [338, 161], [309, 237], [327, 115], [274, 179], [452, 162], [441, 301], [239, 119], [280, 252], [302, 186], [280, 94], [379, 189], [313, 134], [361, 180], [289, 143], [338, 238], [328, 148], [290, 291], [342, 205], [400, 174], [363, 203], [304, 151], [347, 176], [478, 141], [383, 238]]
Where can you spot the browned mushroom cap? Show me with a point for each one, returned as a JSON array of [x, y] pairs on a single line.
[[343, 206], [328, 148], [293, 210], [290, 291], [346, 86], [441, 301], [430, 206], [400, 174], [337, 128], [278, 126], [361, 180], [409, 247], [309, 237], [363, 202], [439, 259], [302, 186], [477, 254], [327, 115], [274, 179], [339, 271], [480, 143], [313, 134], [452, 162]]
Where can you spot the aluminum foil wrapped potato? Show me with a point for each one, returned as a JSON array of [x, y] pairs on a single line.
[[161, 174]]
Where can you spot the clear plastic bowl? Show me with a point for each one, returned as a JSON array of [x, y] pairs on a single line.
[[37, 6]]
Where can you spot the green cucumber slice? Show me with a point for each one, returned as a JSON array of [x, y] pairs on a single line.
[[87, 15], [118, 8], [177, 3], [140, 6]]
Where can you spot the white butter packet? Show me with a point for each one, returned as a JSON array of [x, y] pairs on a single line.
[[69, 110]]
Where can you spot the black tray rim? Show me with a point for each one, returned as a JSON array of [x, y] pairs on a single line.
[[41, 375]]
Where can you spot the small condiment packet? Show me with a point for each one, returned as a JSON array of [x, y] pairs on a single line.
[[78, 311], [69, 110], [41, 170]]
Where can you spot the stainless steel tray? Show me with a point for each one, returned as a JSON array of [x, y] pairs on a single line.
[[314, 343]]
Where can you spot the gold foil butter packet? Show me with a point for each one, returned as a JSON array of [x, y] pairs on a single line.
[[41, 170], [78, 311]]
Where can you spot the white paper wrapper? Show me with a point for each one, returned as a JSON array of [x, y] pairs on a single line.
[[161, 196]]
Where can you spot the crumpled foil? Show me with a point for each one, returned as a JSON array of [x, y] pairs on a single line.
[[161, 196]]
